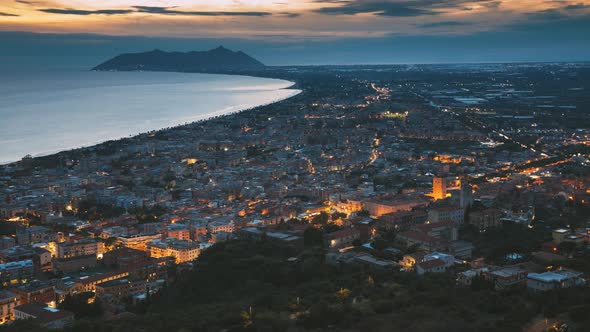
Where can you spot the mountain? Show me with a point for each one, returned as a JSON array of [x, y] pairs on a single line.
[[216, 60]]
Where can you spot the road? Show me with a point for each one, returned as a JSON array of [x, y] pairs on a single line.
[[494, 134]]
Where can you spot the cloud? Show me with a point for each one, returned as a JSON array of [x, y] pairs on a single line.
[[7, 14], [290, 15], [70, 11], [565, 11], [547, 14], [397, 8], [172, 11], [576, 6], [444, 24], [380, 8], [152, 10], [332, 1]]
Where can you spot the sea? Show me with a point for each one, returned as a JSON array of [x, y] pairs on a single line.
[[48, 110]]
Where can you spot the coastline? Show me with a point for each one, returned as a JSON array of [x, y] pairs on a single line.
[[227, 111]]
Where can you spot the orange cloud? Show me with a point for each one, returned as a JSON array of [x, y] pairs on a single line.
[[302, 18]]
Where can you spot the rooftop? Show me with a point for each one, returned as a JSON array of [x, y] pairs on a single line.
[[42, 312], [427, 265]]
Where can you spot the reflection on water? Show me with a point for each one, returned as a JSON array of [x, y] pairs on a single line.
[[52, 111]]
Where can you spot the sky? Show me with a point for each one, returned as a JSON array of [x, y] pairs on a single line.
[[302, 31]]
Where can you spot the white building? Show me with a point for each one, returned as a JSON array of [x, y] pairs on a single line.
[[541, 282]]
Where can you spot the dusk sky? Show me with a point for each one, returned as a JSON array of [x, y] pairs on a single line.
[[305, 31]]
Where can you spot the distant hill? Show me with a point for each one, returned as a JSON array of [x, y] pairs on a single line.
[[216, 60]]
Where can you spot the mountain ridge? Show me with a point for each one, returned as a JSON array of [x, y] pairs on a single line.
[[219, 59]]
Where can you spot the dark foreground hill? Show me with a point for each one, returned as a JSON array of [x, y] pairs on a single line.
[[216, 60], [260, 286]]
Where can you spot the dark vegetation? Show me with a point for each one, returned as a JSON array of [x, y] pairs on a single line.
[[254, 286]]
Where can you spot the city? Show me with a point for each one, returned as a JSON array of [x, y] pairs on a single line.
[[386, 197]]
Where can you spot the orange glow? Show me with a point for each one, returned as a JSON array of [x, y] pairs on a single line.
[[293, 18]]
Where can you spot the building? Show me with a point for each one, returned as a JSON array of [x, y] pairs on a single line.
[[466, 278], [348, 206], [75, 263], [448, 260], [560, 235], [374, 262], [124, 257], [121, 288], [182, 250], [485, 219], [6, 242], [439, 187], [15, 273], [42, 260], [461, 249], [221, 226], [367, 227], [8, 301], [342, 238], [149, 228], [50, 318], [566, 235], [16, 254], [419, 239], [198, 231], [505, 277], [285, 238], [403, 220], [156, 269], [35, 291], [178, 231], [138, 241], [446, 230], [88, 283], [435, 262], [34, 234], [431, 266], [465, 195], [377, 208], [82, 248], [430, 237], [446, 213], [542, 282]]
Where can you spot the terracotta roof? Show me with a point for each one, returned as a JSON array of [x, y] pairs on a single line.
[[431, 264], [42, 313], [342, 233], [428, 227], [418, 236]]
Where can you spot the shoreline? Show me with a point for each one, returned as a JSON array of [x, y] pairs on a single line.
[[227, 111]]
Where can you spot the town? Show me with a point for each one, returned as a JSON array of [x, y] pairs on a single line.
[[480, 173]]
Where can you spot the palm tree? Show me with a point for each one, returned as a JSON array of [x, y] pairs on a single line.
[[247, 317]]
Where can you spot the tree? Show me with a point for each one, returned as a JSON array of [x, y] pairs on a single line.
[[363, 213], [313, 237], [78, 304], [110, 243], [247, 317], [343, 293], [567, 247], [338, 215], [329, 228], [321, 218], [388, 235]]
